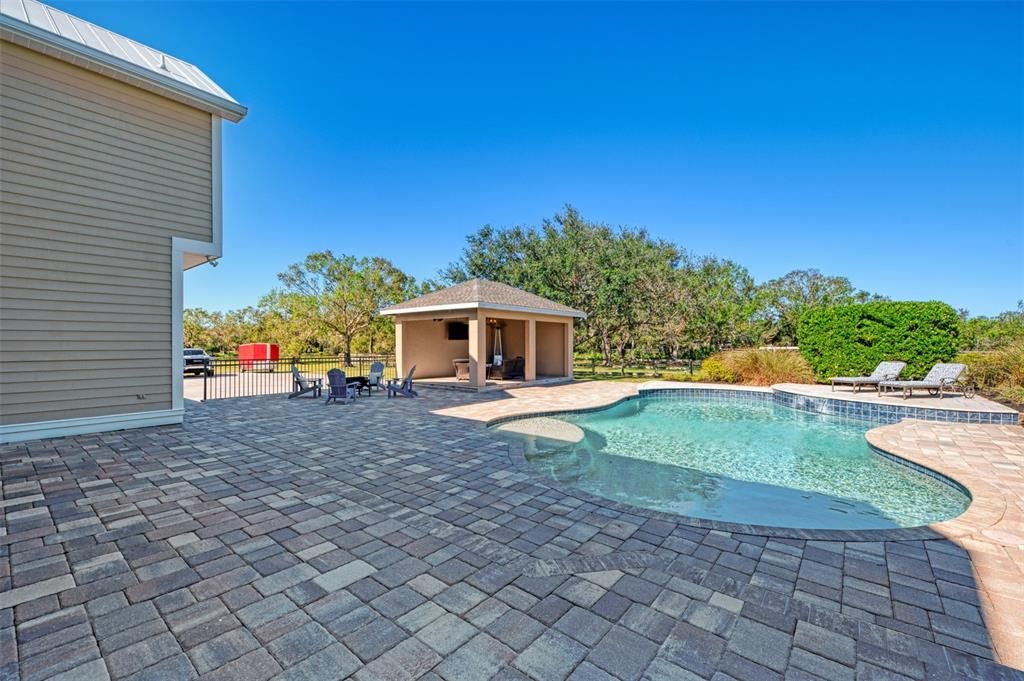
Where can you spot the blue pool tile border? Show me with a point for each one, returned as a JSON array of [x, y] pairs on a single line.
[[887, 413], [923, 470], [881, 413], [719, 394]]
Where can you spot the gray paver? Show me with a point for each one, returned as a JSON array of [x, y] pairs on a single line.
[[623, 653], [341, 577], [552, 656], [446, 633], [219, 548], [480, 658]]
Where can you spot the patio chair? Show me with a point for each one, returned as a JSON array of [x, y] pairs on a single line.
[[402, 388], [302, 385], [885, 371], [339, 388], [461, 369], [512, 369], [375, 379], [941, 378]]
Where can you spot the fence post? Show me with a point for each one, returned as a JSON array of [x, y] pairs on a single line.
[[206, 375]]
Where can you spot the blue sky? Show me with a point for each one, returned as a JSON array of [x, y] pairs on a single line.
[[877, 141]]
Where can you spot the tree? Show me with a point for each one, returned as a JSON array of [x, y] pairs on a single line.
[[781, 301], [712, 306], [221, 332], [621, 278], [340, 294], [495, 254], [989, 333], [197, 325]]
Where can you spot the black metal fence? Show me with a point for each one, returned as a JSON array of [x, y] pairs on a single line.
[[244, 378]]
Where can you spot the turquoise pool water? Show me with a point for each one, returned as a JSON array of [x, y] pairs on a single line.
[[735, 461]]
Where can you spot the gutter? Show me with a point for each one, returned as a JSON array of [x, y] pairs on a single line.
[[446, 307], [46, 42]]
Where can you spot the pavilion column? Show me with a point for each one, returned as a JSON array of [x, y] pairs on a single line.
[[568, 348], [478, 349], [400, 363], [530, 370]]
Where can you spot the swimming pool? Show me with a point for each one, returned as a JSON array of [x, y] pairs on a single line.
[[737, 461]]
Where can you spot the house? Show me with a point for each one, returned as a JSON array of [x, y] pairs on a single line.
[[110, 158], [439, 330]]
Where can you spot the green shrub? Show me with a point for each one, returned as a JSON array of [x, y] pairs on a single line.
[[1014, 395], [850, 340], [999, 372], [756, 367], [767, 367], [681, 376], [714, 370]]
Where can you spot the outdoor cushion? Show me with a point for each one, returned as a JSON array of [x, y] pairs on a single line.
[[938, 375], [885, 371]]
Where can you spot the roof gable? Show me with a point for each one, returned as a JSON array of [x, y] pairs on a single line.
[[477, 293], [37, 26]]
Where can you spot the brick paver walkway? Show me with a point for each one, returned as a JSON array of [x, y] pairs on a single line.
[[395, 539]]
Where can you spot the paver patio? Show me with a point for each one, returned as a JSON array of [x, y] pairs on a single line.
[[397, 539]]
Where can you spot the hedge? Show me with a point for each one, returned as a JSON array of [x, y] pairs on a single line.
[[850, 340]]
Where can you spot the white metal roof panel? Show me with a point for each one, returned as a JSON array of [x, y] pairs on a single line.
[[158, 64]]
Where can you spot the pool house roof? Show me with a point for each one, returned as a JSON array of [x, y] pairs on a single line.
[[483, 293]]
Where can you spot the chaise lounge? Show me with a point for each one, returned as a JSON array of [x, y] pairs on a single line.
[[941, 378], [885, 371]]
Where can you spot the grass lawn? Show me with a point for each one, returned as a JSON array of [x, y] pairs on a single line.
[[588, 371]]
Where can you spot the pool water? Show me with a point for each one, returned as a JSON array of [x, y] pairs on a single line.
[[735, 461]]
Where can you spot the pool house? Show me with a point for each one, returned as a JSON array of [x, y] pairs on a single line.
[[481, 334]]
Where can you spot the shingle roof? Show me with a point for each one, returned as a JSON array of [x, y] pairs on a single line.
[[483, 293], [30, 22]]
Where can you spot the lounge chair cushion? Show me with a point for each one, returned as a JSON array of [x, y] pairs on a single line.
[[939, 375], [885, 371]]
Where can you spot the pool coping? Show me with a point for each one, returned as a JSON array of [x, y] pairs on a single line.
[[986, 508]]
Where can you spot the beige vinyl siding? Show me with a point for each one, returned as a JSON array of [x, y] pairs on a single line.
[[96, 177]]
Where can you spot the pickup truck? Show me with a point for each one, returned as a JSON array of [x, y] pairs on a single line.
[[197, 361]]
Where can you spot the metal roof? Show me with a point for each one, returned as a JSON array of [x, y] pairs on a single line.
[[59, 34], [477, 293]]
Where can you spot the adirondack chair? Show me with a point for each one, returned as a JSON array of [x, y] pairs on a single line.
[[402, 388], [302, 385], [339, 388], [375, 379]]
